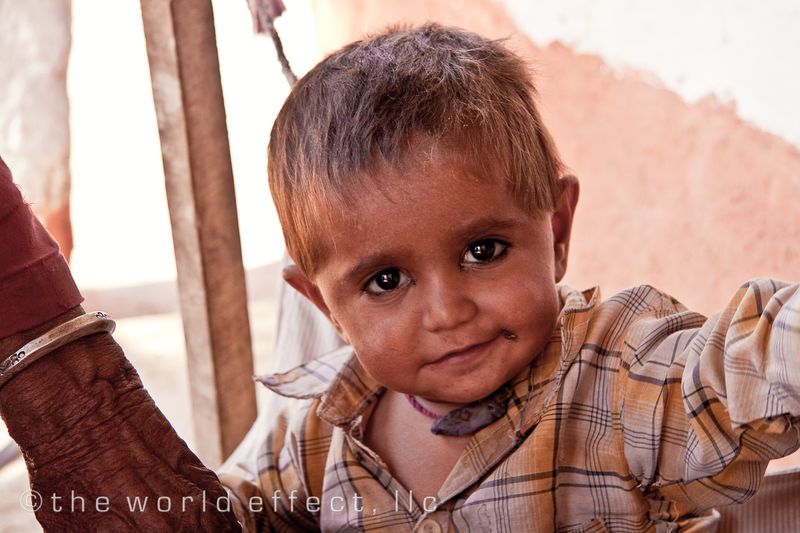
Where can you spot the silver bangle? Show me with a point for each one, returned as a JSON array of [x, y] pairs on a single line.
[[69, 331]]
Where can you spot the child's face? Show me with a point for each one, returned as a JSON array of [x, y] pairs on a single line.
[[430, 271]]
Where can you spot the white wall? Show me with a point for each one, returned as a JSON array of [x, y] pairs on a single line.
[[741, 51]]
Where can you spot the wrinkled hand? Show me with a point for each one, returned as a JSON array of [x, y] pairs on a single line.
[[93, 441]]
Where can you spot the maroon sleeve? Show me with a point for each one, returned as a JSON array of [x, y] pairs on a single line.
[[35, 282]]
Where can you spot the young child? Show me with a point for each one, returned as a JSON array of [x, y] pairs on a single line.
[[429, 216]]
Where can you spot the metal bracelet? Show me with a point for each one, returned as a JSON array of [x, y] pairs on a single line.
[[69, 331]]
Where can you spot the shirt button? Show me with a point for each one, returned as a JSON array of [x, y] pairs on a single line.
[[429, 525]]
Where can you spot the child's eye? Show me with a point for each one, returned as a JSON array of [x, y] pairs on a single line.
[[386, 281], [484, 251]]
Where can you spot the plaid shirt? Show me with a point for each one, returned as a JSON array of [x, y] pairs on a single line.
[[637, 416]]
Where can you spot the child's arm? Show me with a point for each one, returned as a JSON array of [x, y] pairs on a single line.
[[716, 402]]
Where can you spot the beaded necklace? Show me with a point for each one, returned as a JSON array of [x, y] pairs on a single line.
[[419, 407]]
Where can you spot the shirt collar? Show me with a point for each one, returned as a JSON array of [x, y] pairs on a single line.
[[337, 378]]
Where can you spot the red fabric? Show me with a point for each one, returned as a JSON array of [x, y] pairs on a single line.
[[35, 282]]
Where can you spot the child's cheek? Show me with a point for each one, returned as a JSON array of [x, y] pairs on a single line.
[[386, 349], [532, 310]]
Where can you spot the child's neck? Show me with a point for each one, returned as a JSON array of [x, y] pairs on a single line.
[[436, 407], [402, 438]]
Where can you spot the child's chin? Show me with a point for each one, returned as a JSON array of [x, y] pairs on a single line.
[[463, 397]]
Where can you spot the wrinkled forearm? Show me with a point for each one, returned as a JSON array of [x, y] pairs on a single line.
[[94, 440]]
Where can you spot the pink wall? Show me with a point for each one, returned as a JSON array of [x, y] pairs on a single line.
[[688, 198]]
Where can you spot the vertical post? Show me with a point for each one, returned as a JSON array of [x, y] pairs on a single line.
[[184, 68]]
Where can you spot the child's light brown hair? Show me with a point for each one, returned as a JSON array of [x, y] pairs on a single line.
[[364, 106]]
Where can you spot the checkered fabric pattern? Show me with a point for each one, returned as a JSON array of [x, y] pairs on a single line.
[[638, 415]]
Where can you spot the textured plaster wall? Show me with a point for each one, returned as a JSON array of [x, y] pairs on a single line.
[[680, 193], [34, 126]]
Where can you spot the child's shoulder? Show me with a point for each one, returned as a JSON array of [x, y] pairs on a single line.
[[644, 299], [626, 327], [637, 299], [643, 309], [588, 315]]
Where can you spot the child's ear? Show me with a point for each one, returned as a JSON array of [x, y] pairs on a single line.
[[300, 282], [562, 222]]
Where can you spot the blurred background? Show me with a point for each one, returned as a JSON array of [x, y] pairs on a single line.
[[681, 120]]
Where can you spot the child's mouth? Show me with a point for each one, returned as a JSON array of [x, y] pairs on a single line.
[[462, 355]]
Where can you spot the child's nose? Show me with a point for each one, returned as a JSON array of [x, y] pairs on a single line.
[[448, 304]]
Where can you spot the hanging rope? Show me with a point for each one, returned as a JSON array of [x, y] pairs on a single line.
[[264, 13]]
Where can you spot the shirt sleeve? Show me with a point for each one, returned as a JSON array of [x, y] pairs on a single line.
[[707, 403], [35, 282], [274, 478]]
